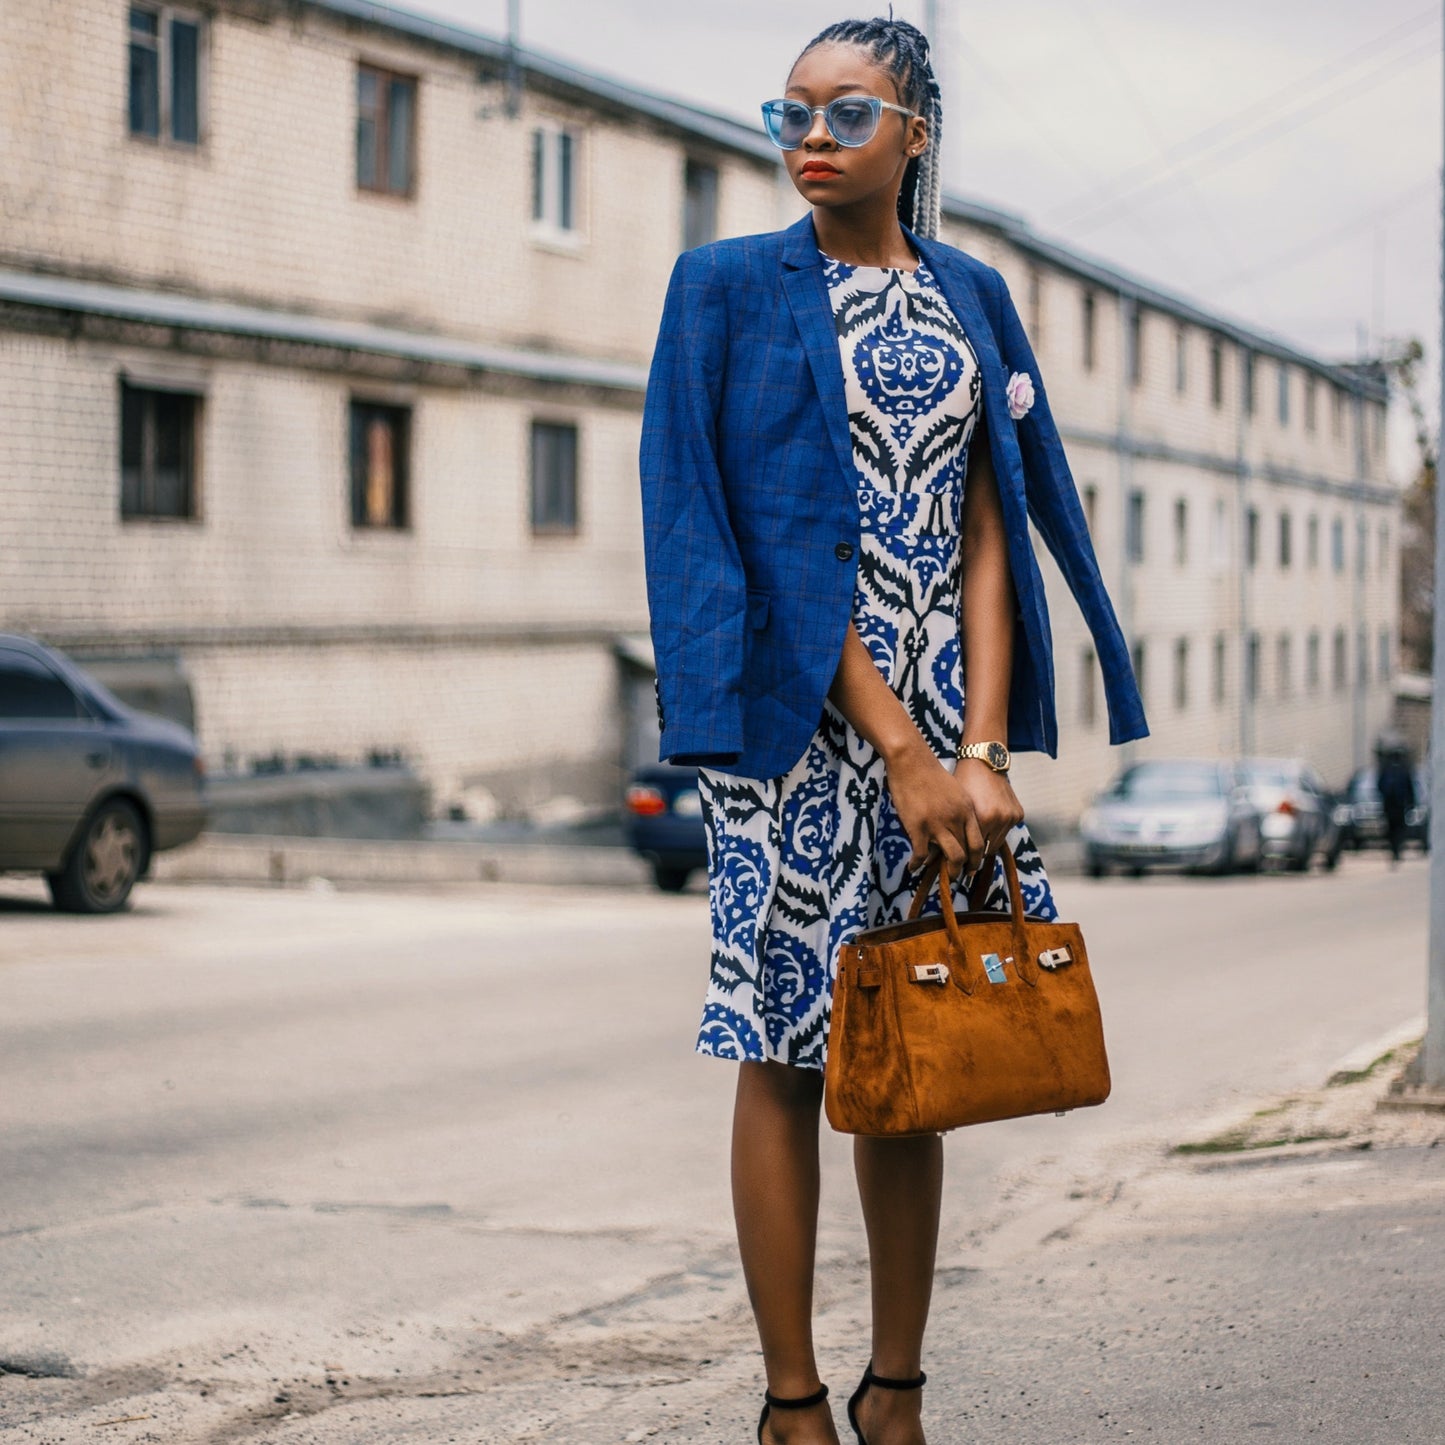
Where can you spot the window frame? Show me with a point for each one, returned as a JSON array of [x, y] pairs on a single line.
[[387, 77], [545, 221], [696, 165], [151, 390], [403, 491], [560, 424], [1135, 526], [166, 14]]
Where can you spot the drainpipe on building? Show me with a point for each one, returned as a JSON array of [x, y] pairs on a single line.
[[1245, 746], [1358, 724], [1125, 443], [514, 59], [1431, 1063]]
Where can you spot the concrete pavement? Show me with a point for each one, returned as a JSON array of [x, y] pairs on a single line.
[[434, 1167]]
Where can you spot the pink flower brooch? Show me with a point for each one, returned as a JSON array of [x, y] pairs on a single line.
[[1020, 393]]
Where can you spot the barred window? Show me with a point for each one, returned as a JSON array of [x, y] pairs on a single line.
[[158, 431]]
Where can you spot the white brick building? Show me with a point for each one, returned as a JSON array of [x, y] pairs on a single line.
[[323, 332]]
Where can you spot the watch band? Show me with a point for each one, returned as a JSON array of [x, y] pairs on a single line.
[[994, 755]]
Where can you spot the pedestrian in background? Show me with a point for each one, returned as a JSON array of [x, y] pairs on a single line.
[[1395, 783], [845, 433]]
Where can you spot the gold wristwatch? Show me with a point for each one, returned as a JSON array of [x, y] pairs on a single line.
[[994, 754]]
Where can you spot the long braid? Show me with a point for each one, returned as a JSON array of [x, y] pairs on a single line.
[[903, 50]]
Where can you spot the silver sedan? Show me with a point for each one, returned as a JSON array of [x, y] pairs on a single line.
[[90, 790]]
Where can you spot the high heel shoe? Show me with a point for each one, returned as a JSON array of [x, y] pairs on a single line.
[[884, 1383], [776, 1402]]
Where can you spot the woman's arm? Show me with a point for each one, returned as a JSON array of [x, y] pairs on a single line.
[[959, 813]]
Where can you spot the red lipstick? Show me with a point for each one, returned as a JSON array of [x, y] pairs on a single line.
[[818, 170]]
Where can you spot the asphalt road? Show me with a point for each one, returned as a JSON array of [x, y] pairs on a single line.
[[317, 1166]]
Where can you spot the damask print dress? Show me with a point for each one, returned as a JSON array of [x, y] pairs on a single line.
[[799, 863]]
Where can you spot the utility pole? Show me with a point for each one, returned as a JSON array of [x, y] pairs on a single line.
[[1431, 1066]]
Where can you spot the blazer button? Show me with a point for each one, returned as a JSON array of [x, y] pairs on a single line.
[[843, 551]]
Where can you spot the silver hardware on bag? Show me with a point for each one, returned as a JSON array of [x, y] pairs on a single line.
[[1055, 957], [929, 972]]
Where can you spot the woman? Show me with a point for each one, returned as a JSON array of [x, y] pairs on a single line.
[[845, 431]]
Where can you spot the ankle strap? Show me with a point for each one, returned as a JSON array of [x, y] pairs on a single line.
[[885, 1383], [779, 1403]]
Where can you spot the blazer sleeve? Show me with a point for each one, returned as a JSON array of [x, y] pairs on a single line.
[[1055, 509], [696, 592]]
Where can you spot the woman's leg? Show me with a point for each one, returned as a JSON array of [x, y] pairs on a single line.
[[900, 1182], [775, 1203]]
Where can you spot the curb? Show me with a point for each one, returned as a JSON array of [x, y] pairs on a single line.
[[275, 861]]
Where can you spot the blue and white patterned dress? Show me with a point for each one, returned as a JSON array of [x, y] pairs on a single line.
[[797, 864]]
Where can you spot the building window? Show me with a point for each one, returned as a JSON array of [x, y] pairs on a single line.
[[158, 436], [380, 451], [1311, 396], [1337, 544], [1286, 540], [1091, 506], [1216, 372], [699, 204], [1384, 547], [385, 130], [1284, 664], [1220, 680], [1181, 674], [1137, 658], [1312, 662], [165, 74], [1360, 548], [1251, 537], [1385, 667], [1337, 411], [1219, 548], [1088, 688], [1378, 412], [1283, 394], [1181, 532], [554, 180], [1181, 358], [1251, 667], [1088, 324], [1036, 307], [1337, 661], [554, 476], [1134, 528], [1247, 382], [1312, 541], [1135, 358], [1362, 657]]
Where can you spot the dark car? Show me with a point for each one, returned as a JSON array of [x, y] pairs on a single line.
[[1296, 811], [664, 823], [1361, 815], [90, 789], [1173, 813]]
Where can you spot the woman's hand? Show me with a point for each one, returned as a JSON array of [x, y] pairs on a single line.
[[964, 814]]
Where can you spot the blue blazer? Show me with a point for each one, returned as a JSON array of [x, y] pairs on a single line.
[[750, 505]]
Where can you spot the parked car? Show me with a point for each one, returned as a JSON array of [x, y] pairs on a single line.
[[1360, 815], [664, 823], [90, 790], [1296, 811], [1172, 813]]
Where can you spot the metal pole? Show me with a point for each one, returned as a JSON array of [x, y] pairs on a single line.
[[1359, 743], [1432, 1053], [514, 61]]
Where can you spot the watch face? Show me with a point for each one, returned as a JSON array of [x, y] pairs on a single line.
[[997, 756]]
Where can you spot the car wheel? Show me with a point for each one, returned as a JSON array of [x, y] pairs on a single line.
[[103, 866], [1095, 869], [1300, 863], [669, 878], [1332, 859]]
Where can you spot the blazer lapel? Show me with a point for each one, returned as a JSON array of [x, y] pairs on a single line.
[[961, 294], [807, 294]]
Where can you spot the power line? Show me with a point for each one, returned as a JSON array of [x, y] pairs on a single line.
[[1241, 132]]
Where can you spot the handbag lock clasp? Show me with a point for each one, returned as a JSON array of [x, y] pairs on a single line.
[[929, 972]]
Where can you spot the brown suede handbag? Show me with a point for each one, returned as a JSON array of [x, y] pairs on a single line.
[[959, 1019]]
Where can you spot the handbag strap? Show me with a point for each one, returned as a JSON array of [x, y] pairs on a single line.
[[937, 867]]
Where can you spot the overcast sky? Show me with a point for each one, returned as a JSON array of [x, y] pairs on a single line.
[[1278, 160]]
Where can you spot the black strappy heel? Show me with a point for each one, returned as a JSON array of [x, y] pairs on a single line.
[[776, 1402], [884, 1383]]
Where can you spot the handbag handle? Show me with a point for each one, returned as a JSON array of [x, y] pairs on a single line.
[[937, 866]]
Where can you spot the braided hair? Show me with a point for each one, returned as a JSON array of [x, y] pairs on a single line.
[[902, 50]]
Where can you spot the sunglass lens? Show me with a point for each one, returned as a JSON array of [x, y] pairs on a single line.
[[852, 122]]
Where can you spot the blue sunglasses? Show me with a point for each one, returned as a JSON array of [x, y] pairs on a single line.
[[852, 120]]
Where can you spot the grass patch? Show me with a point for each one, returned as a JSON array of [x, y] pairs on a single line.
[[1358, 1076], [1240, 1141]]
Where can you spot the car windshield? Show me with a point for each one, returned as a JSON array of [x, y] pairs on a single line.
[[1148, 781]]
